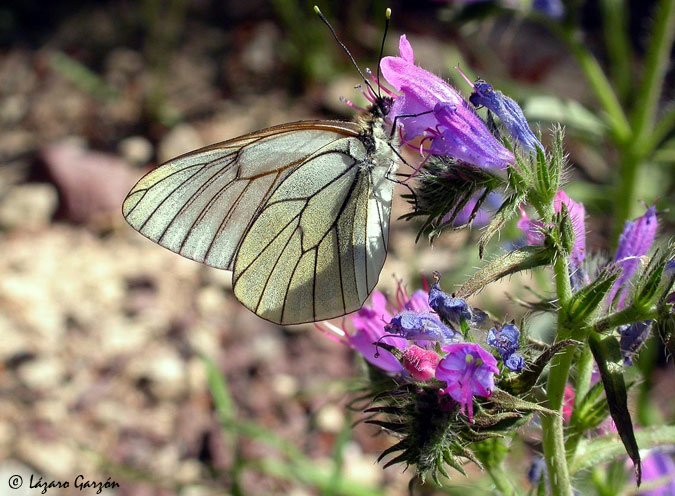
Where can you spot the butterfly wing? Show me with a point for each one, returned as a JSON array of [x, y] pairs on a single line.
[[316, 248], [201, 204]]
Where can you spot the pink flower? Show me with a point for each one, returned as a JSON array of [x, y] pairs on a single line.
[[532, 228], [420, 363], [468, 370], [568, 403], [447, 120]]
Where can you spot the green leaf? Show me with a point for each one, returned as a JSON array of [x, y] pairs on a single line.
[[525, 258], [607, 354], [604, 448]]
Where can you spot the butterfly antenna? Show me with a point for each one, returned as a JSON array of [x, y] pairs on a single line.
[[325, 21], [387, 17]]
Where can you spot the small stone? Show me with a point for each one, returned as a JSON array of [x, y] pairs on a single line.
[[210, 301], [165, 371], [136, 150], [42, 373], [285, 385], [54, 459], [12, 109], [28, 206], [330, 419]]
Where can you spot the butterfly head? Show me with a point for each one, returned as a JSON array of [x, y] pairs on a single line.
[[381, 106]]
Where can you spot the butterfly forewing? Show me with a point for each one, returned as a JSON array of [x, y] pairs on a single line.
[[300, 212], [201, 204]]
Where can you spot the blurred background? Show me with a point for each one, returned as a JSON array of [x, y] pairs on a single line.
[[122, 360]]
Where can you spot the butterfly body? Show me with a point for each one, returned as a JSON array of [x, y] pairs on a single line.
[[299, 212]]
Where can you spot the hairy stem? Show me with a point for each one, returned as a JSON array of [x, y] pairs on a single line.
[[552, 425]]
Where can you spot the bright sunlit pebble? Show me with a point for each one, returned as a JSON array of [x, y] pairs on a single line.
[[330, 419]]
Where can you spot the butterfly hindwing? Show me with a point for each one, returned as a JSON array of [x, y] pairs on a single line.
[[316, 248]]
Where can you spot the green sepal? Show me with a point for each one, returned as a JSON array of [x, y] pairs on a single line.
[[566, 228], [647, 290], [527, 379], [607, 354], [525, 258], [583, 304], [444, 188]]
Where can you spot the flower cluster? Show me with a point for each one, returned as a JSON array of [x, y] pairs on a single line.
[[431, 111]]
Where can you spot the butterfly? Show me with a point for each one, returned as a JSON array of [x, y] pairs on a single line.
[[299, 212]]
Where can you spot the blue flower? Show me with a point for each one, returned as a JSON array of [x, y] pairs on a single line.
[[508, 111], [550, 8], [537, 469], [632, 338], [507, 341], [515, 362], [453, 310], [422, 326]]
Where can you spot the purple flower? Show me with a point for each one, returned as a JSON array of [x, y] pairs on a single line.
[[507, 341], [448, 121], [658, 466], [422, 326], [632, 338], [468, 370], [532, 228], [508, 111], [636, 239], [368, 327]]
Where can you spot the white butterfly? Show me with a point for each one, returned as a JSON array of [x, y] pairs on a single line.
[[300, 213]]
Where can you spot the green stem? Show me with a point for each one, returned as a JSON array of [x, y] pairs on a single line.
[[600, 85], [501, 481], [552, 425], [626, 191], [626, 316], [662, 129], [617, 44], [644, 113], [645, 109]]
